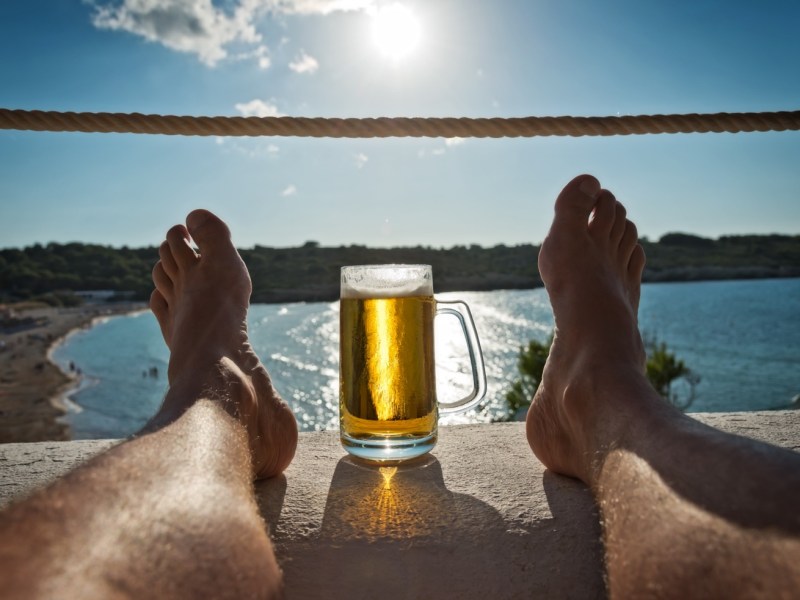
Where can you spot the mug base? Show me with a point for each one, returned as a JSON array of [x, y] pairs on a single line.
[[387, 450]]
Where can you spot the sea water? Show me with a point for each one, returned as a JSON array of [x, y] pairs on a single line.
[[741, 337]]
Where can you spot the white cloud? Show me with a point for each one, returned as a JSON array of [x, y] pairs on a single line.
[[304, 63], [317, 7], [199, 27], [290, 190], [258, 108], [361, 159], [260, 54], [441, 150], [192, 26], [251, 149]]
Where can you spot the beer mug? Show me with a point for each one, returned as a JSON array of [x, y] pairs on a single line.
[[388, 409]]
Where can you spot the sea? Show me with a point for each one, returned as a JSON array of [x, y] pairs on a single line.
[[741, 338]]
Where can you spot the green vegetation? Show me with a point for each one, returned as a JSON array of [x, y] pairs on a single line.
[[669, 376], [685, 257], [530, 365], [311, 272], [50, 273]]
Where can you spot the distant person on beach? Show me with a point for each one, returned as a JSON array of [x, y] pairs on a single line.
[[687, 511]]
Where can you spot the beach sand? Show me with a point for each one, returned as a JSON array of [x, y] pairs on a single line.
[[31, 385]]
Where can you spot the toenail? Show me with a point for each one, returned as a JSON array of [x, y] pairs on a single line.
[[197, 218], [590, 187]]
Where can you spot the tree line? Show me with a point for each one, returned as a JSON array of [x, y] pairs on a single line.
[[310, 272]]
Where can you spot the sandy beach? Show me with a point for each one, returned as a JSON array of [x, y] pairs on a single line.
[[31, 386]]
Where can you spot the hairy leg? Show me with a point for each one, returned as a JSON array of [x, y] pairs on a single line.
[[171, 513], [687, 510]]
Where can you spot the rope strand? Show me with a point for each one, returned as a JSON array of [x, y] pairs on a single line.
[[36, 120]]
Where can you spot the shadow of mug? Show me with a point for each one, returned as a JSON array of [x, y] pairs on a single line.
[[397, 531]]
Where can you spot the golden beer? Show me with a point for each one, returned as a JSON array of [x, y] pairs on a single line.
[[387, 373]]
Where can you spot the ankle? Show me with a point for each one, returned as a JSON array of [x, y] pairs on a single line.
[[610, 408], [217, 378]]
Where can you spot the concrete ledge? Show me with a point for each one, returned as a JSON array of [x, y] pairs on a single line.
[[480, 517]]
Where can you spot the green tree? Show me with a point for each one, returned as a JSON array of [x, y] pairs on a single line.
[[530, 365], [668, 375]]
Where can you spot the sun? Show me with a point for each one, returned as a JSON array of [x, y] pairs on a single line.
[[396, 31]]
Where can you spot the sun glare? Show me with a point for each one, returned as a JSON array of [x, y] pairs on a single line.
[[396, 31]]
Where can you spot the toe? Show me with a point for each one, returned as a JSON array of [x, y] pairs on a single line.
[[635, 268], [630, 238], [618, 228], [576, 201], [181, 249], [636, 262], [160, 308], [163, 283], [158, 304], [209, 232], [167, 260], [603, 215]]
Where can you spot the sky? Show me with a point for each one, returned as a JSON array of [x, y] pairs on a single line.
[[369, 58]]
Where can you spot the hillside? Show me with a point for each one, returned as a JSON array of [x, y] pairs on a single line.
[[311, 272]]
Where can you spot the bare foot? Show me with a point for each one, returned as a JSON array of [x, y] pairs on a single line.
[[591, 264], [201, 303]]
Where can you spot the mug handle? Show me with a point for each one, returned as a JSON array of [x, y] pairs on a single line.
[[461, 311]]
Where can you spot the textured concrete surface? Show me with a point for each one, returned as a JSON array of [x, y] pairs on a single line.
[[479, 517]]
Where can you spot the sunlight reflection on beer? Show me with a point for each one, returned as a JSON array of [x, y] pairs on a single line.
[[380, 350]]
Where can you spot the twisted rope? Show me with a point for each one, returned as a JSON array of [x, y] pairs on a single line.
[[36, 120]]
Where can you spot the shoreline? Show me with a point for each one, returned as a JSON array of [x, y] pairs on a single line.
[[33, 388]]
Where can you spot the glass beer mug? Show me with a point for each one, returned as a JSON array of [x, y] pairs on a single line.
[[388, 409]]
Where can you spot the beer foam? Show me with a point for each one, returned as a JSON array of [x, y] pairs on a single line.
[[386, 281]]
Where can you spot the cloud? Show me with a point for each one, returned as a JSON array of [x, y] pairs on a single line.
[[259, 54], [258, 108], [199, 27], [192, 26], [441, 150], [252, 149], [454, 141], [361, 159], [304, 63], [317, 7], [290, 190]]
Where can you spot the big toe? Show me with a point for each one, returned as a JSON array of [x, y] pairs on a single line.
[[209, 232], [576, 201]]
